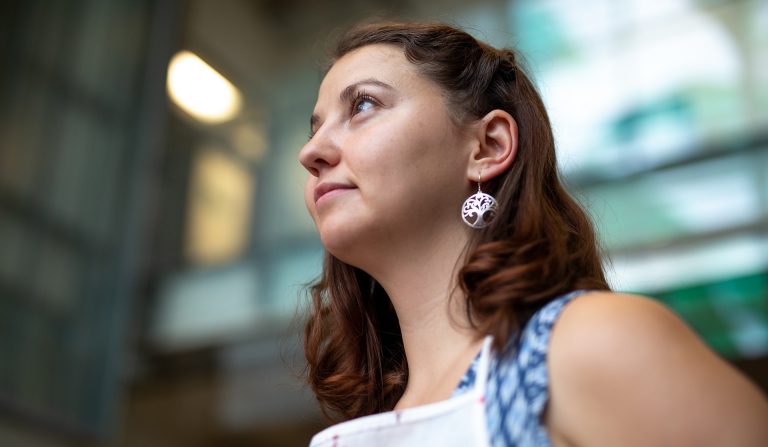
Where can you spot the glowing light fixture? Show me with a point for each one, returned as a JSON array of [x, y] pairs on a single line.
[[200, 90]]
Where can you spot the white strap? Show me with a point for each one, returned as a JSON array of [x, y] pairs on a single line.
[[481, 376]]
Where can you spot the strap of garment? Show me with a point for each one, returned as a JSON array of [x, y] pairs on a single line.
[[518, 386], [483, 365], [534, 349]]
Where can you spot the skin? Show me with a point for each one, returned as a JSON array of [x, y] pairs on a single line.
[[627, 371], [411, 167], [406, 166]]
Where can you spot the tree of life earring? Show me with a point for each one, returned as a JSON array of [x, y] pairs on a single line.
[[479, 209]]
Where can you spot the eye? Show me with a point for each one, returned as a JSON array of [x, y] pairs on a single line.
[[361, 103]]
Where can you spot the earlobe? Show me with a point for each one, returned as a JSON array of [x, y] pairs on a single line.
[[496, 145]]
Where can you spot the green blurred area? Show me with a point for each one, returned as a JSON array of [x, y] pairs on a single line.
[[730, 315]]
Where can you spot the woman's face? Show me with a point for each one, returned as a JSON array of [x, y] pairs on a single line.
[[386, 162]]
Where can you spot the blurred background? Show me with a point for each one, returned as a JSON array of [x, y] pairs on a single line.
[[153, 238]]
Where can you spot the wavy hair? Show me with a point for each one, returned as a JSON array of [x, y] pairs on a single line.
[[541, 244]]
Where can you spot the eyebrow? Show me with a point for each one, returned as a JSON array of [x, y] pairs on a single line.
[[348, 93]]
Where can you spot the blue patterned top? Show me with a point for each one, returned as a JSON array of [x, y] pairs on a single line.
[[517, 389]]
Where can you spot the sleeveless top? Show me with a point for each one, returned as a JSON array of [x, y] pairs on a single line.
[[517, 384]]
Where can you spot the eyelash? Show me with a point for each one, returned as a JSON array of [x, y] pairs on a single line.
[[359, 96]]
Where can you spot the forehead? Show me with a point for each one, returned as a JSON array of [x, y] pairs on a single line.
[[386, 63]]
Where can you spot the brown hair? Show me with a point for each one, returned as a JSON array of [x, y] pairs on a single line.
[[540, 245]]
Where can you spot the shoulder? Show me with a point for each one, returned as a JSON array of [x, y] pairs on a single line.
[[606, 333], [613, 319], [625, 367]]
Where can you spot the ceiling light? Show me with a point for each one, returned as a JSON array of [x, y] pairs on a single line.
[[200, 90]]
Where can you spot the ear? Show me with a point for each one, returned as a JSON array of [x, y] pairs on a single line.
[[495, 148]]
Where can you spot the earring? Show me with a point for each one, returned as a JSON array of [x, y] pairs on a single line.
[[479, 209]]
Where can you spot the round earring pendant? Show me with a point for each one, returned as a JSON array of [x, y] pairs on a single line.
[[478, 210]]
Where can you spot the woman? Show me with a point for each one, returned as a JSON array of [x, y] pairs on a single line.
[[452, 250]]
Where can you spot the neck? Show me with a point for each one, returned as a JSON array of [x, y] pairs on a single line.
[[422, 284]]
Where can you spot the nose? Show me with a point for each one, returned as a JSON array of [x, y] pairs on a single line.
[[319, 153]]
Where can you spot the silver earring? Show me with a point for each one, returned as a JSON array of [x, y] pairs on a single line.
[[479, 209]]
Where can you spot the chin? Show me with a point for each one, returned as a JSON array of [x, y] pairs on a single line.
[[341, 246], [347, 243]]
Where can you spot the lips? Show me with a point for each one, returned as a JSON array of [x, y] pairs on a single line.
[[325, 188]]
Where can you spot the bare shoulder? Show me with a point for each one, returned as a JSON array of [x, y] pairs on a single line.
[[605, 320], [626, 370]]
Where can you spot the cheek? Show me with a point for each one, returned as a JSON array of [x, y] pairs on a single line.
[[430, 156]]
